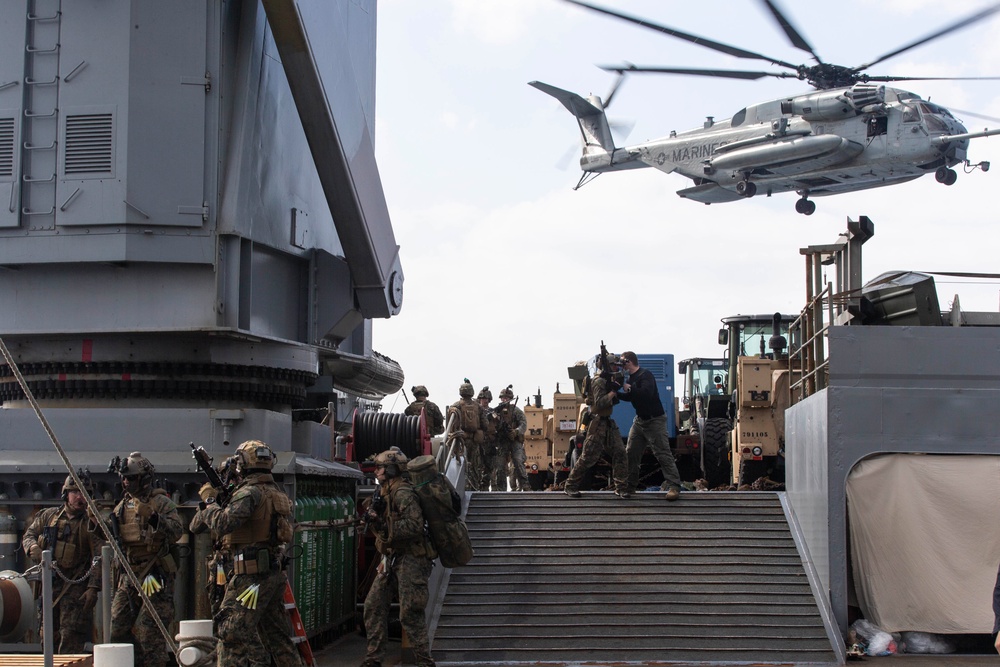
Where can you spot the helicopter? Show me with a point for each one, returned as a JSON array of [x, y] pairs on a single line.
[[852, 132]]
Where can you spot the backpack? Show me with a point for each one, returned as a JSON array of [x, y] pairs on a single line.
[[470, 418], [442, 508]]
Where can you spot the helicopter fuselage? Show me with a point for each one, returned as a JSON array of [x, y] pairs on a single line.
[[827, 142]]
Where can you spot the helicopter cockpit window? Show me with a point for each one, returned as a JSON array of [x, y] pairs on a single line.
[[934, 117], [739, 117], [910, 114], [934, 109]]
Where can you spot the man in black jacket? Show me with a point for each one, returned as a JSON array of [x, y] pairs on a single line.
[[648, 428]]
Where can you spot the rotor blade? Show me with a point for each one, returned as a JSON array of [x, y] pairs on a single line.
[[793, 35], [723, 73], [694, 39], [621, 129], [866, 78], [992, 119], [978, 16], [562, 164], [614, 88]]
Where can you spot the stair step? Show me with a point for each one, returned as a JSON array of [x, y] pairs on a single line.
[[713, 577]]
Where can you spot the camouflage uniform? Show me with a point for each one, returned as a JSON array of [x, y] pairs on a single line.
[[435, 420], [489, 440], [219, 564], [149, 524], [256, 521], [408, 558], [511, 426], [603, 437], [468, 427], [69, 532]]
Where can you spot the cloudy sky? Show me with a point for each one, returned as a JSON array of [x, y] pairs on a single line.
[[512, 276]]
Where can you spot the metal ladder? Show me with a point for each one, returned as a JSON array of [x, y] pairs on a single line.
[[40, 129]]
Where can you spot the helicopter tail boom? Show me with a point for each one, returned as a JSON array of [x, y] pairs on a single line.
[[589, 113]]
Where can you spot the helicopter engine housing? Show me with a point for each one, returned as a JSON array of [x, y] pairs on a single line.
[[834, 104]]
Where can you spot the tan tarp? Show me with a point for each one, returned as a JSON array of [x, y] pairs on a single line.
[[925, 541]]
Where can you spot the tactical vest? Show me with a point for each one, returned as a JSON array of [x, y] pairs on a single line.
[[139, 541], [491, 426], [269, 524], [414, 408], [61, 534]]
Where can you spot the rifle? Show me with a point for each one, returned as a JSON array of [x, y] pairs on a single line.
[[376, 508], [205, 464], [606, 369]]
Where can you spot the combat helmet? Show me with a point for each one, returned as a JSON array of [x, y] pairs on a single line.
[[507, 392], [485, 393], [254, 455], [393, 460], [420, 390], [70, 484], [137, 471], [614, 363], [466, 390]]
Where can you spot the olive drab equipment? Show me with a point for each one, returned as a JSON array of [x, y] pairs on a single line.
[[485, 393], [466, 390], [469, 412], [442, 509]]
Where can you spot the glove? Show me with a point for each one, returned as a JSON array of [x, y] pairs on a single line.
[[207, 491], [35, 552], [144, 510], [89, 599]]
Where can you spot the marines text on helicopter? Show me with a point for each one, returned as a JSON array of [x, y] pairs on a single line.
[[850, 134]]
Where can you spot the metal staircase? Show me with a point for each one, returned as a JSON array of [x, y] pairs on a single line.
[[712, 578]]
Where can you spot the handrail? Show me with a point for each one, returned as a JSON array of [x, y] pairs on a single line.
[[809, 353]]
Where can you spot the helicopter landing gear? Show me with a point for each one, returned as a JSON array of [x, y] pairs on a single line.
[[805, 206], [746, 189], [946, 176]]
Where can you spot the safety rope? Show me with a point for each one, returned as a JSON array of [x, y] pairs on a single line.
[[207, 646]]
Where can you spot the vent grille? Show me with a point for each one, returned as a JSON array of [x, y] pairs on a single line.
[[6, 147], [89, 144]]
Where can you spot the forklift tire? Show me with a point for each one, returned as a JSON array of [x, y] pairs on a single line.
[[715, 453]]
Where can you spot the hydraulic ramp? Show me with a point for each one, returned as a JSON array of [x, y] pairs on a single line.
[[713, 578]]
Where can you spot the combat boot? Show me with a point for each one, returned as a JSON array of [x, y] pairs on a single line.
[[673, 493], [572, 493]]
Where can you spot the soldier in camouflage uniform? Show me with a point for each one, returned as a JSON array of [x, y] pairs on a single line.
[[407, 559], [68, 531], [489, 440], [468, 428], [435, 420], [603, 436], [148, 525], [255, 526], [511, 426], [219, 565]]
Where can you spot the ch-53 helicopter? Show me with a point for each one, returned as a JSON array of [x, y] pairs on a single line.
[[850, 134]]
